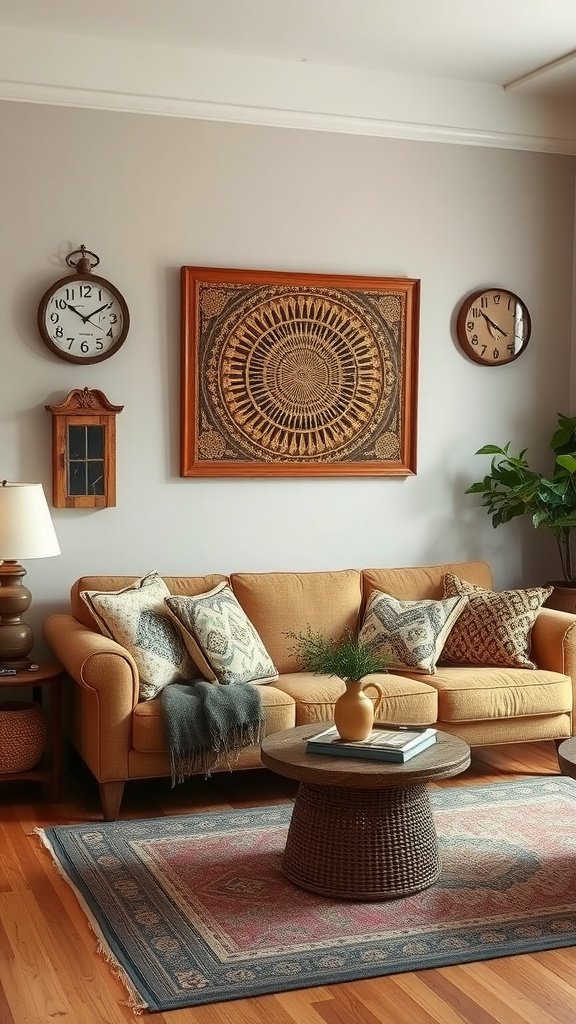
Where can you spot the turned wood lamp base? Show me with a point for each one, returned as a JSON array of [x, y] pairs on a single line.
[[16, 638]]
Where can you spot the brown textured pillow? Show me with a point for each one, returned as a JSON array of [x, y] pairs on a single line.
[[494, 628]]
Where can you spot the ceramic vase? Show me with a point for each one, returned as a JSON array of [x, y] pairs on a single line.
[[354, 711]]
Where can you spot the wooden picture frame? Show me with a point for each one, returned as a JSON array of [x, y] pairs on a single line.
[[289, 374]]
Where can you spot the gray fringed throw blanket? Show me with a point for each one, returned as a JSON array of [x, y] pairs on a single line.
[[208, 724]]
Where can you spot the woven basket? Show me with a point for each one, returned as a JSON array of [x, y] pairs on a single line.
[[23, 733]]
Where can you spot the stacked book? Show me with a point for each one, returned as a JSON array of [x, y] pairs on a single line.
[[388, 743]]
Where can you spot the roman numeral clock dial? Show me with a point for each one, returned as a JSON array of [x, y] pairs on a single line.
[[83, 318], [493, 326]]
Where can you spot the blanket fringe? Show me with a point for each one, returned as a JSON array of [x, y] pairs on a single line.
[[134, 1000], [224, 753]]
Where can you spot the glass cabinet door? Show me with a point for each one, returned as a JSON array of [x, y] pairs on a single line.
[[85, 459]]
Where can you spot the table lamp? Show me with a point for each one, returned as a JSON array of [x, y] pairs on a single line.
[[26, 531]]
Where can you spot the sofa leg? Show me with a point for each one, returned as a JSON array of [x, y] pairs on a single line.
[[110, 799]]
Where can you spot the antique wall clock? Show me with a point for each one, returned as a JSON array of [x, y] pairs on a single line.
[[83, 318], [493, 326]]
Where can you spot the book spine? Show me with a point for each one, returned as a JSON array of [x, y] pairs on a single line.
[[368, 755]]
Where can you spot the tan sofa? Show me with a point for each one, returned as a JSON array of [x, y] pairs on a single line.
[[122, 738]]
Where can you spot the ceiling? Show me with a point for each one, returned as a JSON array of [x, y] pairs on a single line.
[[525, 48], [495, 41]]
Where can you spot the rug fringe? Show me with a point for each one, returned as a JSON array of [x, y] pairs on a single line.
[[134, 1001]]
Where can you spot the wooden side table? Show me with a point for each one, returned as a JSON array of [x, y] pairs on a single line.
[[46, 675], [566, 751]]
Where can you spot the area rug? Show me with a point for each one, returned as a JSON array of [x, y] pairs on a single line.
[[195, 909]]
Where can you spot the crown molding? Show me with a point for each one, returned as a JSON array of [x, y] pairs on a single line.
[[46, 67], [348, 124], [545, 71]]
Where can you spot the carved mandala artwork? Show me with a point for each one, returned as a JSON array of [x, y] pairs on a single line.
[[296, 377]]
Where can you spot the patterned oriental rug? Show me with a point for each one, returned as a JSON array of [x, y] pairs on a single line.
[[195, 909]]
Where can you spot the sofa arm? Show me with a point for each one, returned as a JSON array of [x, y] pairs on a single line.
[[554, 644], [104, 697]]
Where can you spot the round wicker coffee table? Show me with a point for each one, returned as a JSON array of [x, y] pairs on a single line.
[[361, 830]]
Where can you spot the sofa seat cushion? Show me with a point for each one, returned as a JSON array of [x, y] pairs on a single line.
[[149, 737], [474, 694], [408, 701]]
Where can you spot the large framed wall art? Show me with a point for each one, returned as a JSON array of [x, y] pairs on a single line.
[[289, 374]]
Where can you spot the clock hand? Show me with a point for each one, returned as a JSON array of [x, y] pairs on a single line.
[[74, 310], [99, 310], [86, 319], [492, 324]]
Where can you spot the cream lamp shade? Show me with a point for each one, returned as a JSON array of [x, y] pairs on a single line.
[[26, 531], [26, 528]]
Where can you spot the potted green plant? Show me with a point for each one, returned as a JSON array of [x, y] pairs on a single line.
[[351, 660], [511, 488]]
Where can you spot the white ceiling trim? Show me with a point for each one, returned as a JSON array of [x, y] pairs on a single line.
[[266, 116], [566, 61], [151, 78]]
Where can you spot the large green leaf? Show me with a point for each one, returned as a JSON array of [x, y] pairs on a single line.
[[567, 462], [512, 511], [509, 477], [550, 488], [490, 449]]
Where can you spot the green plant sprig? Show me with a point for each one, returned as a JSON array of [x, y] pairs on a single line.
[[349, 658]]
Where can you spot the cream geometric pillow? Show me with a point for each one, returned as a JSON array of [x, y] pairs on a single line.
[[495, 628], [220, 637], [411, 633], [137, 619]]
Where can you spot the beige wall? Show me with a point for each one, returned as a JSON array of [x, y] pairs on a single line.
[[150, 194]]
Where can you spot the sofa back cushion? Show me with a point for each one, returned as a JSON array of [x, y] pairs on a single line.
[[175, 584], [278, 602], [422, 583]]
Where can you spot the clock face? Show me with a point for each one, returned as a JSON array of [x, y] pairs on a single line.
[[493, 326], [83, 318]]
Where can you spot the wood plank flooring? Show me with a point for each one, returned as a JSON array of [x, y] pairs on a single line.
[[50, 970]]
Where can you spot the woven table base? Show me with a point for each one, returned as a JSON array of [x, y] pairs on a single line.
[[359, 844]]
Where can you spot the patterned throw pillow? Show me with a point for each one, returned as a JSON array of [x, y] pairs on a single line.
[[220, 637], [412, 633], [494, 628], [136, 618]]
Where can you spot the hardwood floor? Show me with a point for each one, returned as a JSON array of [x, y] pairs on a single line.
[[50, 969]]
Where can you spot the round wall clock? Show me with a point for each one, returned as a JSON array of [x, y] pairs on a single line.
[[493, 326], [83, 318]]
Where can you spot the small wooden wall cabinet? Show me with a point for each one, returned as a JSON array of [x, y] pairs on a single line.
[[84, 450]]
